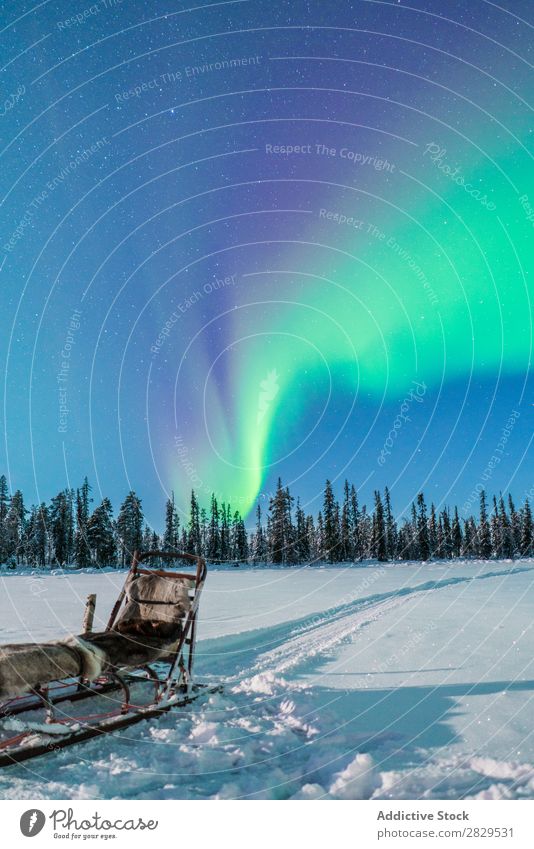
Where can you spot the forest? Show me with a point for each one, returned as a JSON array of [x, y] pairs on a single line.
[[71, 531]]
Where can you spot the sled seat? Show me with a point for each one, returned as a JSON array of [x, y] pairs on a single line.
[[149, 624], [30, 666], [153, 619], [128, 651]]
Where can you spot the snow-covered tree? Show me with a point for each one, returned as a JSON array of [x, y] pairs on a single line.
[[82, 550], [390, 526], [379, 543], [433, 531], [194, 541], [259, 541], [60, 526], [281, 533], [213, 550], [484, 532], [346, 550], [507, 542], [302, 542], [526, 546], [423, 541], [331, 551], [130, 527], [355, 531], [456, 535], [14, 525], [101, 535], [36, 536], [515, 527], [204, 531], [4, 507], [239, 539], [225, 552], [172, 525]]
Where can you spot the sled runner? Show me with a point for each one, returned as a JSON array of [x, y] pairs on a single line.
[[140, 667]]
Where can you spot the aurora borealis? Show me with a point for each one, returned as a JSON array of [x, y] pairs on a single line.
[[270, 222]]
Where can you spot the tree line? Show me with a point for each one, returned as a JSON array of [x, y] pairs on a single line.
[[69, 531]]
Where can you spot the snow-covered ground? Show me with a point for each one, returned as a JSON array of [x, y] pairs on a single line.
[[397, 681]]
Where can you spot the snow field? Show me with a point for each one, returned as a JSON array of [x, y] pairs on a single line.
[[395, 681]]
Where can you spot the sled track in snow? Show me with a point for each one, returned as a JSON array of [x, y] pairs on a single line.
[[252, 740], [320, 637], [298, 642]]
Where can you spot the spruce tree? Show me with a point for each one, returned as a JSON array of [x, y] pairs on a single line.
[[456, 531], [281, 537], [433, 532], [391, 527], [356, 540], [346, 552], [60, 515], [331, 525], [239, 539], [193, 537], [130, 527], [36, 539], [101, 535], [506, 531], [467, 540], [484, 533], [496, 531], [4, 507], [224, 545], [259, 545], [379, 550], [291, 539], [40, 534], [447, 534], [302, 540], [268, 537], [526, 547], [85, 493], [413, 546], [311, 538], [15, 527], [69, 524], [203, 531], [470, 542], [82, 551], [170, 536], [214, 535], [146, 544], [403, 539], [440, 551], [366, 533], [155, 545], [423, 542], [515, 527], [319, 538]]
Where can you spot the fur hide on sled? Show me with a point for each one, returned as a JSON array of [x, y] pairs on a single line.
[[148, 629]]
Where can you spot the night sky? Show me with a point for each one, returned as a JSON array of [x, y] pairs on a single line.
[[249, 239]]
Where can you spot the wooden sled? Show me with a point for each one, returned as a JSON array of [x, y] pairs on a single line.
[[139, 667]]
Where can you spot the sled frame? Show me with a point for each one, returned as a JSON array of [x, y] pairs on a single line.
[[180, 673], [173, 689]]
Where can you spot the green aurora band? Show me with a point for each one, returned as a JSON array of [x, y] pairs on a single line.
[[431, 289]]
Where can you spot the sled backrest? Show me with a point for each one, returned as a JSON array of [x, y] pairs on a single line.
[[157, 599], [153, 599]]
